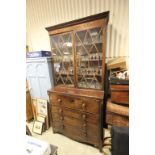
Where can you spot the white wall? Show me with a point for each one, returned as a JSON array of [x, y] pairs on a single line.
[[44, 13]]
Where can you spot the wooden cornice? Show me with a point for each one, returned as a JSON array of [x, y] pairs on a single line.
[[79, 21]]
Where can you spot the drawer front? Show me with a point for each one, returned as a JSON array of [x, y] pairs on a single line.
[[120, 94], [76, 117], [82, 104], [120, 97], [73, 132], [75, 114], [79, 124], [57, 126], [118, 120]]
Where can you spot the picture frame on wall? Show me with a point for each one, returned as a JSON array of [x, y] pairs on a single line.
[[37, 127]]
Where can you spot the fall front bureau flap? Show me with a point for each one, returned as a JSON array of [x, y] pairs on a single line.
[[90, 93]]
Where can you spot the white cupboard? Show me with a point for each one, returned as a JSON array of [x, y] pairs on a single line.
[[39, 75]]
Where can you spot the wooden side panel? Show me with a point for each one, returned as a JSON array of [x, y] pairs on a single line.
[[29, 113], [34, 107]]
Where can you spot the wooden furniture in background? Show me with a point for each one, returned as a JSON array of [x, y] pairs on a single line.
[[77, 113], [117, 115], [120, 94], [117, 107], [29, 113], [78, 49], [34, 108]]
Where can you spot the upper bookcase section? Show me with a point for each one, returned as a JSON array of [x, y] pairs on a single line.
[[78, 50]]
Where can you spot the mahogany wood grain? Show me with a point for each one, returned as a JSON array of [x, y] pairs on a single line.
[[77, 113], [117, 109], [79, 21], [116, 119], [86, 105], [77, 134], [104, 34], [83, 26], [117, 114], [120, 94], [94, 21], [96, 94], [81, 124]]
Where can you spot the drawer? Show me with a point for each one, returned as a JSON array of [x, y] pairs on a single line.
[[91, 118], [120, 97], [55, 99], [117, 120], [82, 104], [79, 124], [57, 126], [120, 94], [84, 136]]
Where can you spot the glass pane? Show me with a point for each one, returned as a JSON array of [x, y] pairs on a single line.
[[81, 36], [96, 35], [89, 58], [63, 59]]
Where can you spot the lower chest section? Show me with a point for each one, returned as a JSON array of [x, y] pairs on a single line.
[[76, 117]]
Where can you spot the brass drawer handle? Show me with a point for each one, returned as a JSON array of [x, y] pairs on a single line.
[[60, 110], [85, 134], [59, 100], [84, 125], [84, 117], [83, 106]]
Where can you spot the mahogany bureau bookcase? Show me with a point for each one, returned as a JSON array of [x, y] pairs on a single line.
[[78, 50]]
